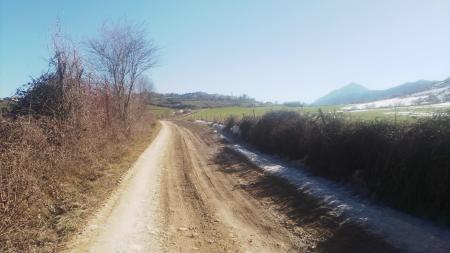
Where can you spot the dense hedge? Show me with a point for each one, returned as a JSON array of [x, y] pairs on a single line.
[[406, 165]]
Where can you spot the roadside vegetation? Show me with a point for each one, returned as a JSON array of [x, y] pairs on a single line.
[[69, 135], [404, 164]]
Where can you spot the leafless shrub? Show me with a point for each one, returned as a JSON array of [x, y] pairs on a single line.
[[121, 55], [63, 134]]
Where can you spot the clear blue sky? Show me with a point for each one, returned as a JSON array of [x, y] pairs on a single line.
[[271, 50]]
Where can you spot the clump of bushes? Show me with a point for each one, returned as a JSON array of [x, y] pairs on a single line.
[[406, 164], [63, 138]]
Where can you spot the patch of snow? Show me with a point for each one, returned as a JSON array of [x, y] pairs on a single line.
[[361, 110], [410, 113], [392, 102], [437, 95], [440, 105], [401, 230], [235, 130], [217, 126], [202, 122], [435, 91]]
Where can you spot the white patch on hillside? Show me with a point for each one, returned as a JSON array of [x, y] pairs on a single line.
[[439, 94]]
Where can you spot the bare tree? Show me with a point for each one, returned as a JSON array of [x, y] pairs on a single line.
[[120, 55], [144, 89], [145, 84]]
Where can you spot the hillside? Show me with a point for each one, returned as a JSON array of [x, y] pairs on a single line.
[[350, 93], [438, 93], [197, 100], [355, 93]]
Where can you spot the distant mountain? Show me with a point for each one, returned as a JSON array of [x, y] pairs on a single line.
[[407, 88], [355, 93], [438, 94], [348, 94]]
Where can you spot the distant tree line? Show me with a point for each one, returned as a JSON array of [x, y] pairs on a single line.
[[196, 100]]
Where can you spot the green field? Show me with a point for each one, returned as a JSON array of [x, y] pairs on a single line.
[[161, 112], [220, 114], [403, 113]]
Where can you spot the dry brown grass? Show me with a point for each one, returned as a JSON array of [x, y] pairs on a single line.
[[52, 178], [63, 147]]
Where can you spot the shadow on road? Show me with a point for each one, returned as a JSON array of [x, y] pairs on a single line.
[[304, 215]]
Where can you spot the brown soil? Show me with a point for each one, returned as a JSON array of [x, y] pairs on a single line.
[[210, 199]]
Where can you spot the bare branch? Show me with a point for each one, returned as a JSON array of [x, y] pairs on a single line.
[[121, 55]]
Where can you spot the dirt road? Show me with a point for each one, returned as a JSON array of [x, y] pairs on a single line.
[[189, 193]]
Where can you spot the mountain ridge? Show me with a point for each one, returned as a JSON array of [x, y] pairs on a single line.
[[356, 93]]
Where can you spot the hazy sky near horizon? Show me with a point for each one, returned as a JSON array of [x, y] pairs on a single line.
[[270, 50]]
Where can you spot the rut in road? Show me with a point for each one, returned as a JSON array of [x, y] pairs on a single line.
[[189, 193], [214, 216]]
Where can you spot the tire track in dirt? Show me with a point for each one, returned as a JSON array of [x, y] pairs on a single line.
[[190, 223], [215, 216]]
